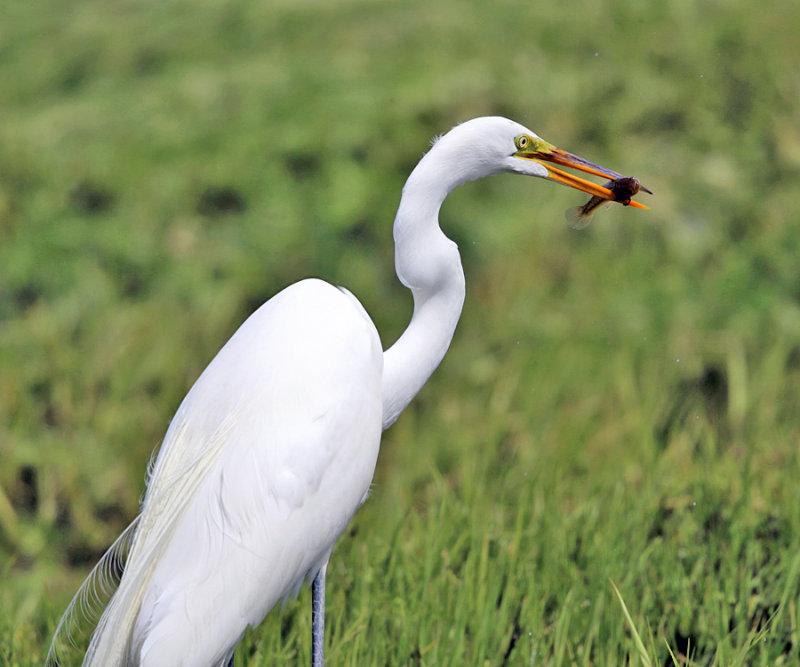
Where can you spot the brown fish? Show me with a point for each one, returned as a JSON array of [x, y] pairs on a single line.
[[622, 189]]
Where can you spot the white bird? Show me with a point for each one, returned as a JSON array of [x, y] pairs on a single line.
[[273, 449]]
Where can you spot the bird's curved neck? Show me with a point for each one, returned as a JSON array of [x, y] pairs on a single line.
[[428, 263]]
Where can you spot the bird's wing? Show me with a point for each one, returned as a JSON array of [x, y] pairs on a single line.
[[277, 439]]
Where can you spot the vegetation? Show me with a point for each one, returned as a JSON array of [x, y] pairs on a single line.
[[620, 404]]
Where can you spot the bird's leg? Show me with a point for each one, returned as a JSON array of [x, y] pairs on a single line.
[[318, 617]]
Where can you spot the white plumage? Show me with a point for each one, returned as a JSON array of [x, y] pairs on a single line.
[[273, 449], [246, 498]]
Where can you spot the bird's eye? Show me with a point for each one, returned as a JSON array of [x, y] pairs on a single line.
[[522, 141]]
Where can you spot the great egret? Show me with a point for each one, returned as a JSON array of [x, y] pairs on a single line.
[[273, 449]]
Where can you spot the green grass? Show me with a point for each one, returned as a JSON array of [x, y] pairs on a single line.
[[619, 406]]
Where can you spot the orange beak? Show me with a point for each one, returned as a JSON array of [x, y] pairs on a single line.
[[557, 156]]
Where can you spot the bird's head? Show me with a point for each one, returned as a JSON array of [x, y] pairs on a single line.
[[493, 145]]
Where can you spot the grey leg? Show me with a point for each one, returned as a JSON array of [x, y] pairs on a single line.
[[318, 617]]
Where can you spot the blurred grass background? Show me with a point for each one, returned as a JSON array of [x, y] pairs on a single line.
[[618, 403]]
